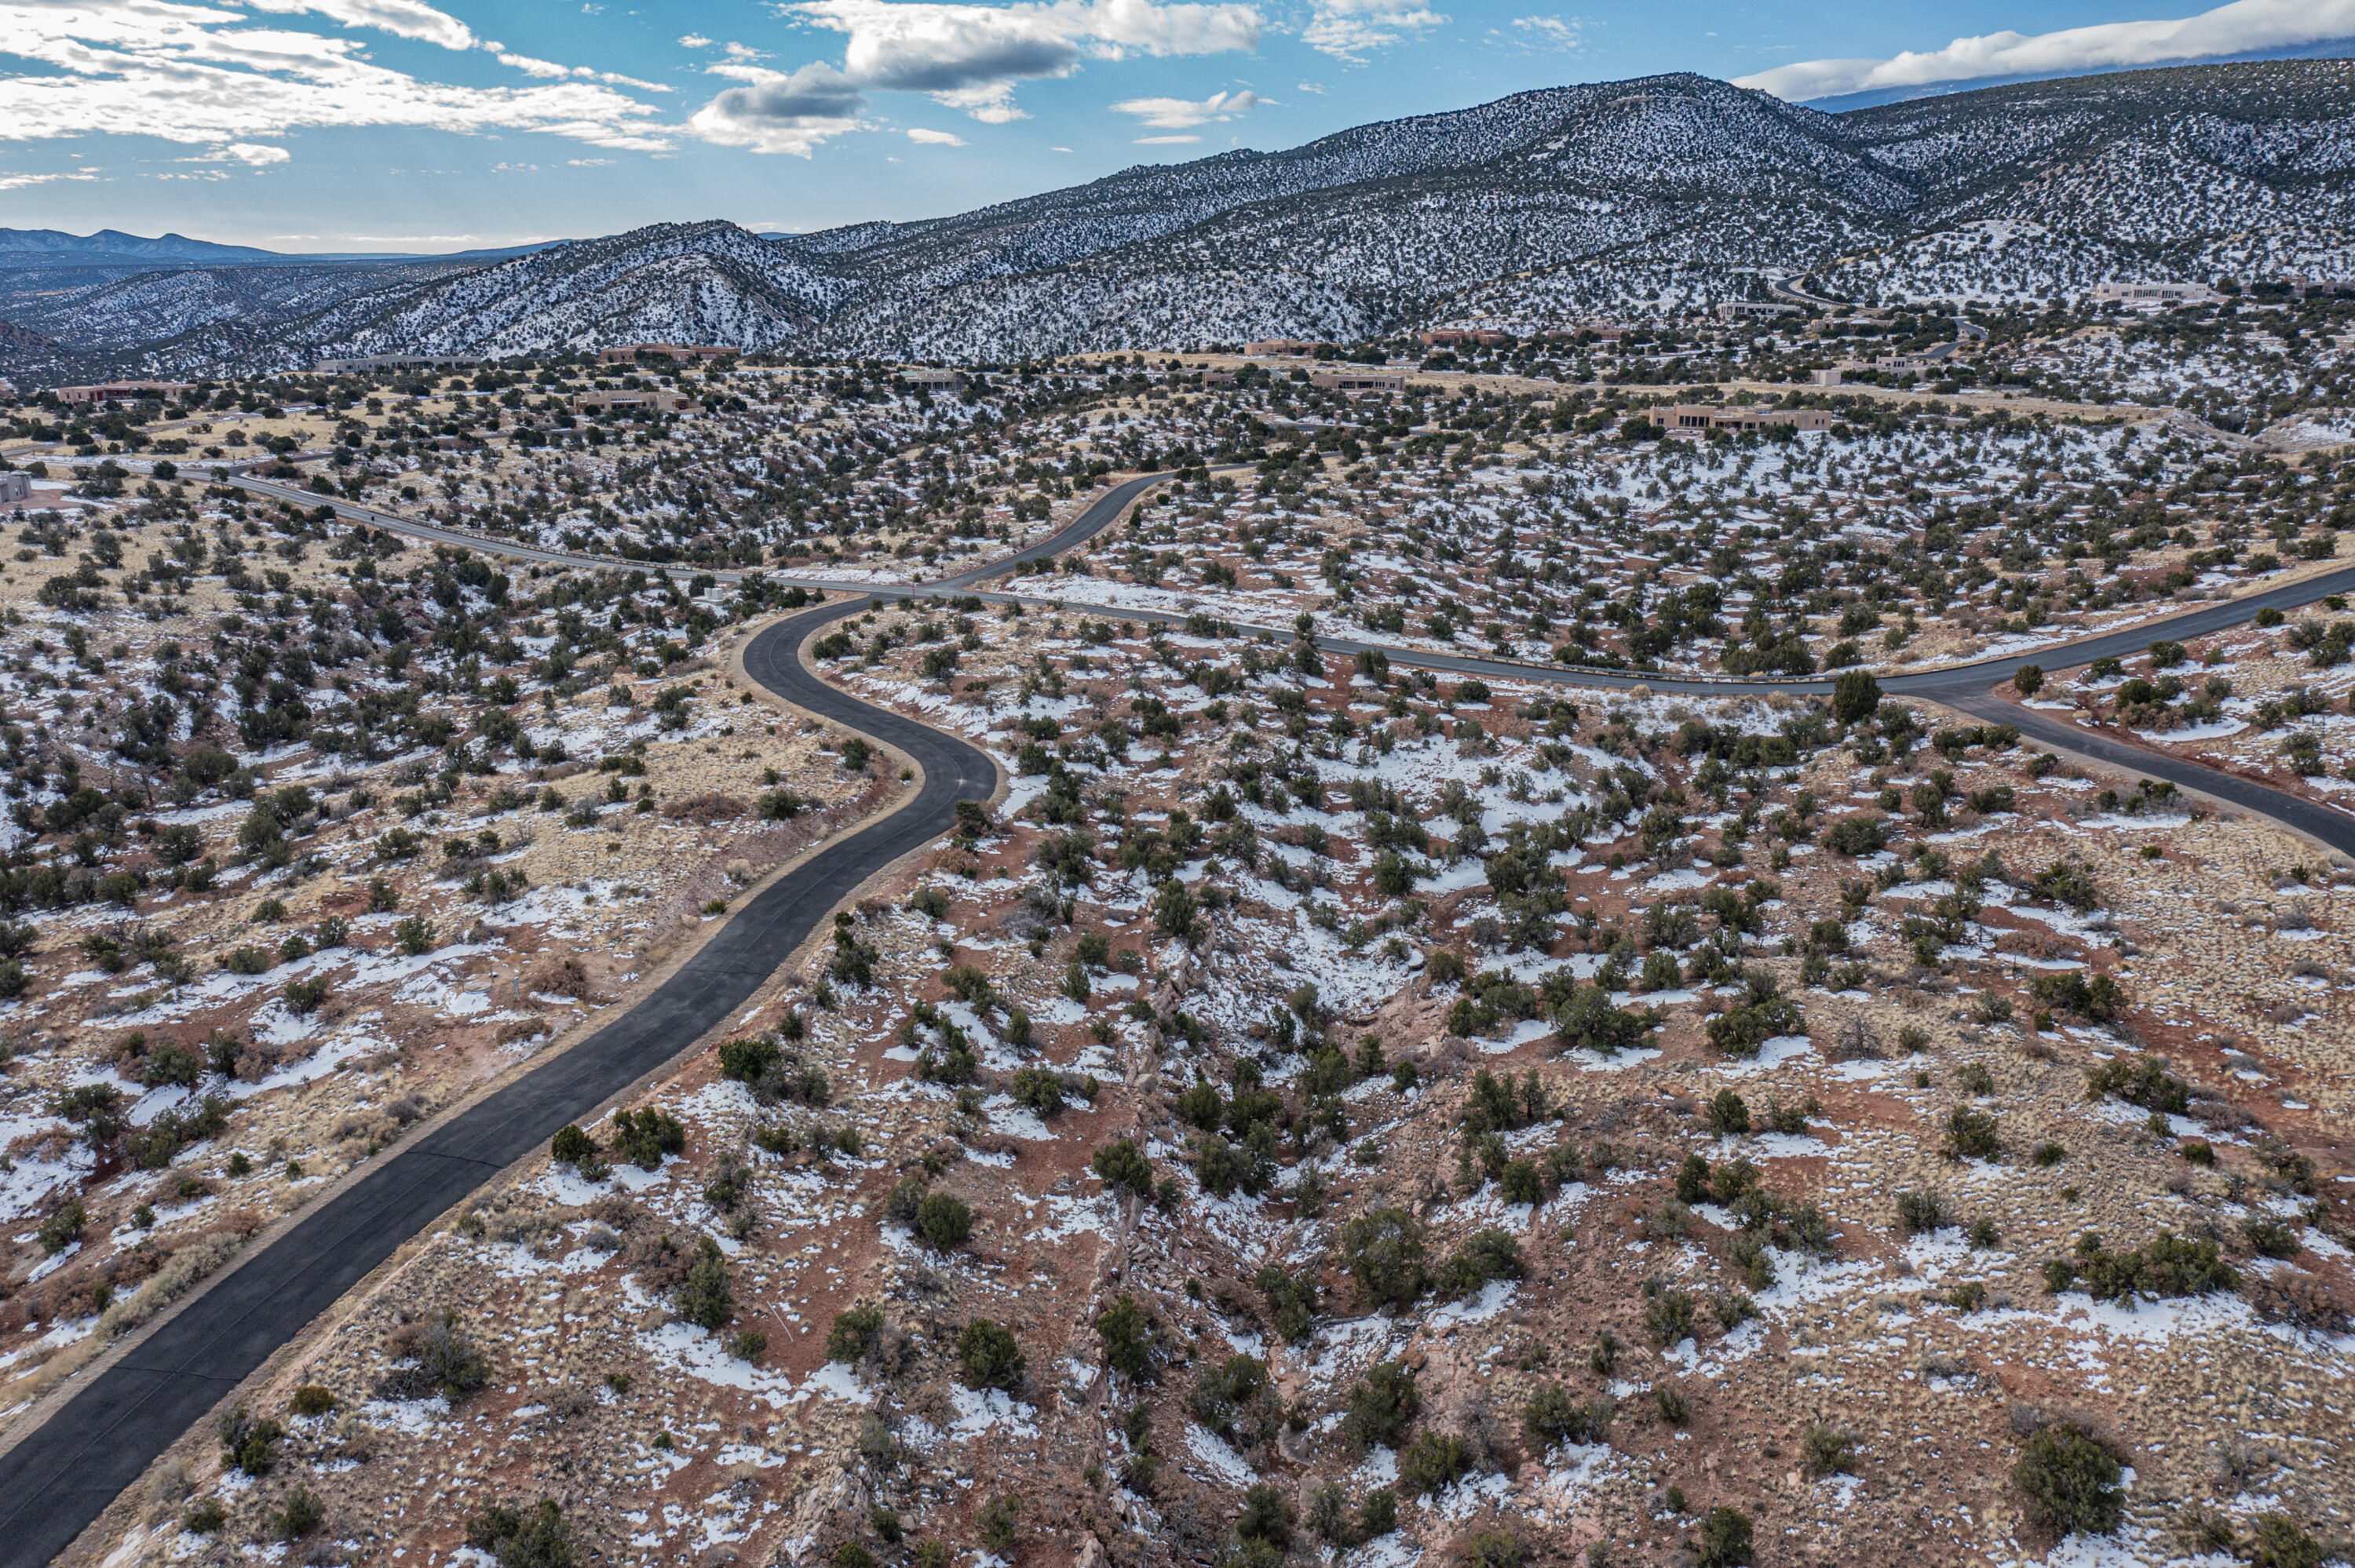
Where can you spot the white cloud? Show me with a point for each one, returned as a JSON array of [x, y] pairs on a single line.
[[18, 182], [531, 67], [402, 18], [198, 75], [1308, 87], [779, 111], [1165, 140], [971, 56], [1351, 30], [695, 41], [2237, 28], [935, 138], [1178, 113], [254, 154], [1544, 34], [735, 51], [592, 162]]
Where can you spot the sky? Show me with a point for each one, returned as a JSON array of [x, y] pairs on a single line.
[[401, 125]]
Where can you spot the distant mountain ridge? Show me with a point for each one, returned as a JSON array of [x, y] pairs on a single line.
[[20, 247], [1527, 212]]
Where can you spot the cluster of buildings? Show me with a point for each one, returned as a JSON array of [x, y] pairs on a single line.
[[1695, 419], [643, 399], [677, 352], [396, 362], [125, 392], [2152, 293]]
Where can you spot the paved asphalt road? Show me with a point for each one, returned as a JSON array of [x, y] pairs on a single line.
[[1966, 687], [55, 1481]]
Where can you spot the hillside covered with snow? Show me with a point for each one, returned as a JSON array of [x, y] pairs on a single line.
[[1526, 212]]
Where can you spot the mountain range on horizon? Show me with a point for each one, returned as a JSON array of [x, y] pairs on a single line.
[[1533, 209]]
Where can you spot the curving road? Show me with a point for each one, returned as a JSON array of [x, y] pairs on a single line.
[[1963, 686], [56, 1478], [1090, 522]]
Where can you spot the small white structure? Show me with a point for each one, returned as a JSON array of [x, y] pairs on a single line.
[[2153, 294]]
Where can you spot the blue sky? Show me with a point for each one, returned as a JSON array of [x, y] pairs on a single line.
[[442, 124]]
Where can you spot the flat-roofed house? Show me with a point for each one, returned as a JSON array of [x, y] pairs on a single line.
[[125, 392]]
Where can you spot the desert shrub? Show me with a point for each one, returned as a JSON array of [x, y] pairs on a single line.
[[1669, 1317], [312, 1399], [854, 1334], [1383, 1250], [747, 1061], [249, 1445], [1741, 1031], [1971, 1135], [1291, 1302], [571, 1146], [1747, 1251], [990, 1355], [1432, 1462], [1857, 837], [2271, 1238], [1826, 1450], [1725, 1538], [703, 1298], [2139, 1081], [1381, 1405], [2069, 882], [2097, 1000], [1328, 1514], [1918, 1212], [1487, 1255], [2165, 1265], [1236, 1399], [1856, 697], [523, 1538], [994, 1518], [943, 1221], [300, 1515], [1555, 1414], [1732, 1180], [1265, 1517], [1038, 1088], [2278, 1542], [205, 1516], [645, 1136], [2069, 1481], [1493, 1549], [1587, 1022], [1127, 1337], [1729, 1114], [448, 1360]]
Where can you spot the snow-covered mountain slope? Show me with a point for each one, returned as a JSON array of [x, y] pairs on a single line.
[[1528, 210]]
